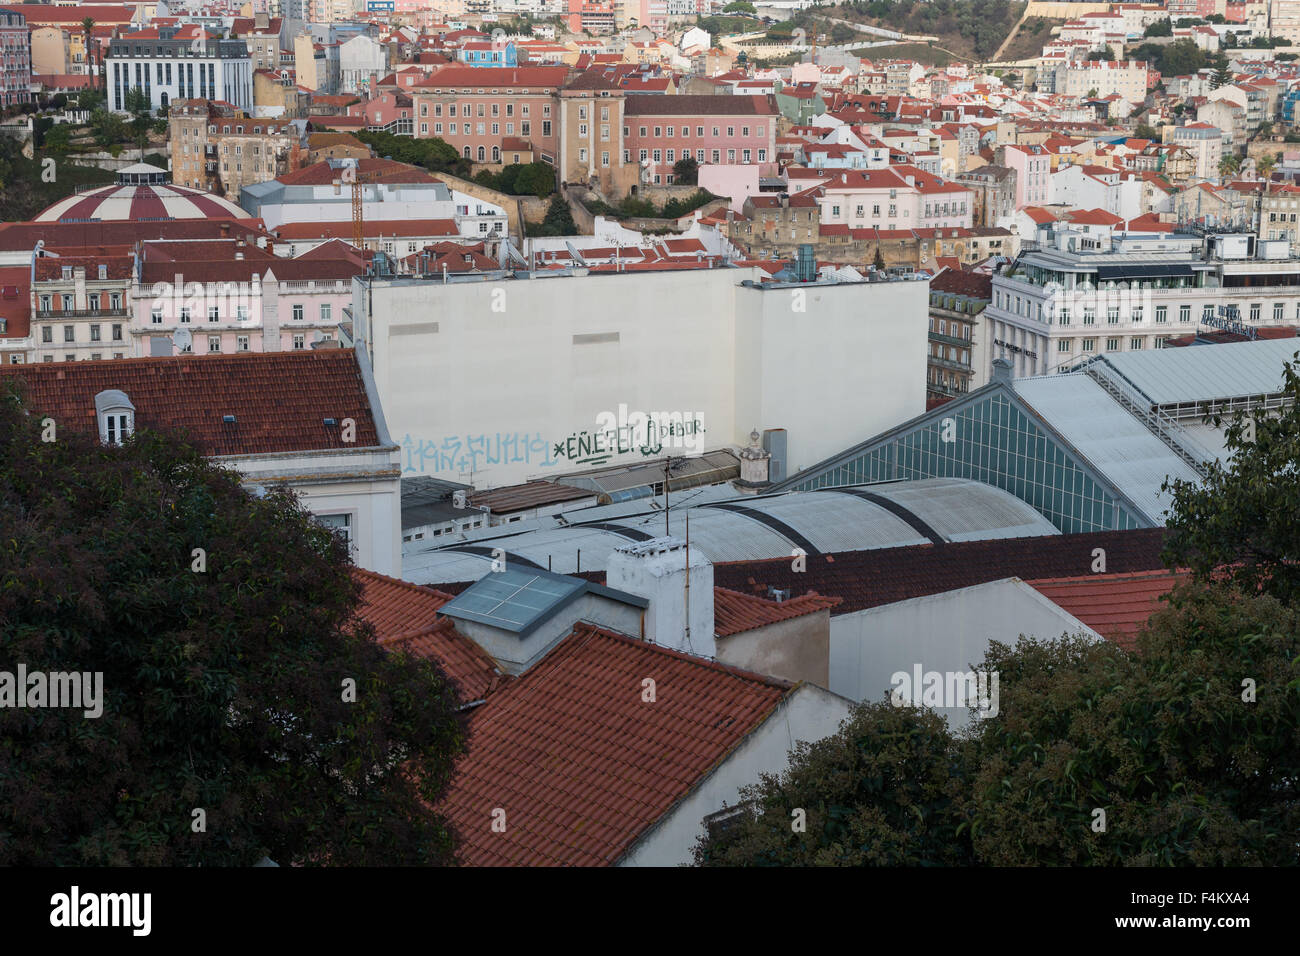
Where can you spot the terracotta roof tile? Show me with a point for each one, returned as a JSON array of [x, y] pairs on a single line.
[[405, 618], [279, 400], [734, 612], [1116, 606], [580, 764]]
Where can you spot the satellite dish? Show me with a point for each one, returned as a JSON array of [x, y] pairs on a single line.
[[182, 339]]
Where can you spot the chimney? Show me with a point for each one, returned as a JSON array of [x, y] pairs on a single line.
[[678, 617]]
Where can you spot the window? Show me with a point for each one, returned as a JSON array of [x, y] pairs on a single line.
[[326, 312], [1112, 315], [1207, 313], [1063, 317], [47, 333], [214, 315], [1137, 313], [69, 333], [1089, 345], [1064, 345], [299, 341], [1135, 344], [1089, 317], [1184, 313], [94, 333], [94, 302], [117, 333], [1112, 345], [185, 313], [297, 312], [1162, 313], [1254, 311], [339, 524], [1278, 308], [214, 343], [241, 343]]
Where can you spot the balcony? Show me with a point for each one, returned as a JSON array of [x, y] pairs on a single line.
[[950, 340], [949, 364], [53, 314]]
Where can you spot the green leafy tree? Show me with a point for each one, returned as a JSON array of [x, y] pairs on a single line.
[[686, 171], [1187, 770], [887, 790], [739, 6], [1229, 165], [558, 220], [222, 690], [1245, 517], [1161, 28], [1143, 131]]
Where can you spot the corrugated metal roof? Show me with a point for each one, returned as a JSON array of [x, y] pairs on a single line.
[[961, 510], [1203, 372], [745, 528], [1118, 445]]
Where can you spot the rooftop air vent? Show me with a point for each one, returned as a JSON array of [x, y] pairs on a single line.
[[228, 419]]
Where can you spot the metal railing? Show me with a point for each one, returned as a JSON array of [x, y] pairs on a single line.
[[1157, 421]]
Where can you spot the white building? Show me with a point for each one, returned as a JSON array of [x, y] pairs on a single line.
[[361, 60], [1079, 296], [168, 63], [508, 378]]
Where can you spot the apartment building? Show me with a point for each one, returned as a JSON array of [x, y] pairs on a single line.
[[261, 34], [476, 108], [591, 115], [79, 307], [171, 63], [956, 301], [1129, 79], [1278, 208], [899, 197], [993, 193], [1079, 296], [220, 149], [719, 129], [1205, 143], [1033, 168], [15, 58]]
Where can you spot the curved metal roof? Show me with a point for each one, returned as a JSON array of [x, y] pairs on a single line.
[[865, 517]]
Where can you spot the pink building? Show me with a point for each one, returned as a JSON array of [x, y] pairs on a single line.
[[1033, 166], [660, 130], [234, 297]]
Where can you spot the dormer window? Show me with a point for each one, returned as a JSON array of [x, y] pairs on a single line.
[[116, 416]]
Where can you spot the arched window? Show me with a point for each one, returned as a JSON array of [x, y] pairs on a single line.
[[482, 154], [467, 156], [496, 154]]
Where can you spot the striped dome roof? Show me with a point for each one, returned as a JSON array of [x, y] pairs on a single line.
[[141, 202]]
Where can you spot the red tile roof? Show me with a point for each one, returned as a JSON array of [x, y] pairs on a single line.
[[1116, 606], [279, 400], [405, 618], [734, 612], [866, 579], [368, 171], [580, 764]]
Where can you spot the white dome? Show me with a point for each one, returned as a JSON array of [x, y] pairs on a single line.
[[141, 202]]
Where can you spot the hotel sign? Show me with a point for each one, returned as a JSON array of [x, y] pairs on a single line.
[[1229, 320]]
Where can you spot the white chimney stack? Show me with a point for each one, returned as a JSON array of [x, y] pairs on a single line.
[[679, 616]]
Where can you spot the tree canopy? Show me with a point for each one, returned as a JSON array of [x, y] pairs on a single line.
[[223, 688], [1187, 744]]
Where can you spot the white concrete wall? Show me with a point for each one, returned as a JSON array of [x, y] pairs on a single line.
[[941, 632], [849, 367], [809, 713], [501, 386]]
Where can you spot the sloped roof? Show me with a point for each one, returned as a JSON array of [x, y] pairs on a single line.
[[866, 579], [1116, 606], [279, 399], [405, 618], [580, 764], [735, 612]]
